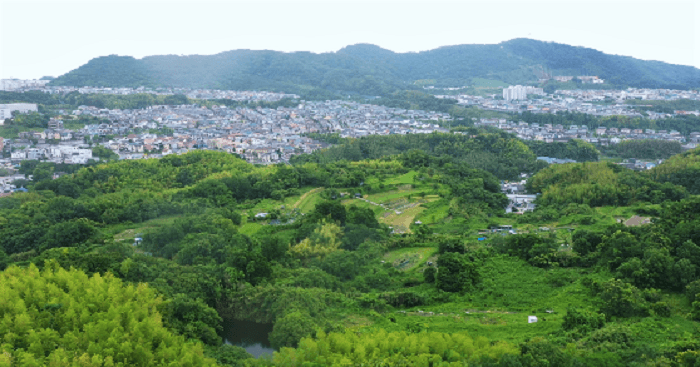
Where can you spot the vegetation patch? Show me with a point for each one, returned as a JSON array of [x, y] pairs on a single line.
[[409, 259]]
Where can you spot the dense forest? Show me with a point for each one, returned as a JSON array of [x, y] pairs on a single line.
[[368, 70], [681, 169], [494, 151], [643, 149], [377, 251]]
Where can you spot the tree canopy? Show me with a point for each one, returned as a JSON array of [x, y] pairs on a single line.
[[64, 317]]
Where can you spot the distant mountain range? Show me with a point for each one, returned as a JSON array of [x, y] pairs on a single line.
[[366, 69]]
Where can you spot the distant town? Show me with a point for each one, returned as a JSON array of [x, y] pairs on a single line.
[[266, 135], [598, 102]]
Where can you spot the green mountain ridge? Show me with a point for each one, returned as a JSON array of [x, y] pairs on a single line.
[[371, 70]]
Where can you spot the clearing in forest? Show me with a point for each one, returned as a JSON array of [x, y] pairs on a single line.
[[402, 222], [407, 259]]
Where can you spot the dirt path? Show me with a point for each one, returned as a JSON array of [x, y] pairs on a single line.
[[301, 199]]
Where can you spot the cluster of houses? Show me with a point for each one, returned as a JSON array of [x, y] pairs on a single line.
[[260, 135], [7, 184], [518, 199], [582, 101], [640, 165], [601, 136], [630, 93], [253, 96], [61, 153], [265, 135], [546, 105]]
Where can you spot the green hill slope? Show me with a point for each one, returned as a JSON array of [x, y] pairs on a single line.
[[385, 259]]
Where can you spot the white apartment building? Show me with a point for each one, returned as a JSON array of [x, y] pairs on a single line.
[[15, 84], [519, 92]]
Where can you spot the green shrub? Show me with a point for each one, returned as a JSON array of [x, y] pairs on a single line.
[[429, 274], [622, 299], [661, 309], [290, 328], [583, 320], [456, 273], [691, 290]]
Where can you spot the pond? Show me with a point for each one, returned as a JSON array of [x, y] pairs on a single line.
[[251, 336]]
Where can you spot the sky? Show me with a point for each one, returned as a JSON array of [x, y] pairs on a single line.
[[51, 38]]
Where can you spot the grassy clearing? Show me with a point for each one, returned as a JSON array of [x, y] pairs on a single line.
[[402, 222], [268, 205], [510, 290], [124, 232], [409, 259], [308, 201], [598, 220], [404, 179], [396, 208], [435, 212], [405, 193], [249, 229], [512, 328]]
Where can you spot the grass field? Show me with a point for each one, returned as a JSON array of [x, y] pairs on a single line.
[[436, 211], [597, 220], [249, 229], [402, 222], [308, 201], [397, 208], [404, 179], [510, 290], [127, 232], [409, 259]]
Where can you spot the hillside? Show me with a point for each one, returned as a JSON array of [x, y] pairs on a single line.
[[370, 70], [342, 265], [378, 251]]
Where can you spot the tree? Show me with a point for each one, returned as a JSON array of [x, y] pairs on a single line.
[[192, 318], [324, 240], [70, 233], [451, 245], [585, 242], [429, 274], [4, 260], [456, 273], [118, 323], [42, 173], [583, 320], [362, 216], [290, 328], [176, 99], [692, 290], [104, 154], [622, 299], [333, 209]]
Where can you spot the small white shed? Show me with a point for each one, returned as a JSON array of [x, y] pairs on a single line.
[[531, 319]]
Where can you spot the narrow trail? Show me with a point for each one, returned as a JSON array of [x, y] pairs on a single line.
[[301, 199]]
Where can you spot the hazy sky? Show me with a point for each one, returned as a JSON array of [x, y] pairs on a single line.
[[40, 38]]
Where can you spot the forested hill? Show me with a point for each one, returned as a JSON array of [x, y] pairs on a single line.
[[370, 70]]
